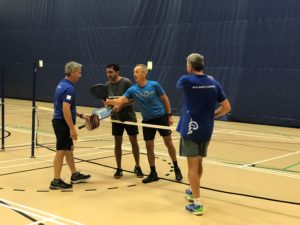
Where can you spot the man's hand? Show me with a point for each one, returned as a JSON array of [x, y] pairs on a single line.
[[85, 116], [117, 108], [107, 102], [171, 121], [73, 134]]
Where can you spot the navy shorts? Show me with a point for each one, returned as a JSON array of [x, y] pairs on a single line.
[[149, 133], [118, 129], [191, 148], [62, 133]]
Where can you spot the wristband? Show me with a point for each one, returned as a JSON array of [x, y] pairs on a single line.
[[170, 114], [80, 115]]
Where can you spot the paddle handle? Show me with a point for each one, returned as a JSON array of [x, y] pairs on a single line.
[[82, 126]]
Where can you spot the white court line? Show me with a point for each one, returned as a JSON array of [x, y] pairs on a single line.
[[42, 156], [30, 214], [44, 220], [254, 134], [44, 161], [80, 139], [42, 215], [257, 135], [270, 159], [259, 170]]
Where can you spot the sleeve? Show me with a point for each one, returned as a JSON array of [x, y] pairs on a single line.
[[158, 89], [180, 82], [68, 95], [128, 93], [128, 83], [221, 93]]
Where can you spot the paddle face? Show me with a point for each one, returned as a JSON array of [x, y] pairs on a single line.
[[94, 120], [99, 91], [102, 113], [92, 123]]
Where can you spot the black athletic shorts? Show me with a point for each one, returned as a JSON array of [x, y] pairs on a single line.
[[62, 133], [149, 133], [118, 129]]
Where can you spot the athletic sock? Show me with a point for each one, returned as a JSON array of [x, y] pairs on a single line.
[[197, 201], [175, 164], [152, 168]]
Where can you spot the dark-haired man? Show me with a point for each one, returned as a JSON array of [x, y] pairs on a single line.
[[117, 86]]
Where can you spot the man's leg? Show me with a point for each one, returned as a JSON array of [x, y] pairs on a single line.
[[118, 155], [76, 177], [171, 149], [200, 168], [70, 160], [118, 150], [136, 154], [172, 153], [58, 163], [194, 175], [57, 182], [150, 152], [151, 159], [135, 149], [62, 134]]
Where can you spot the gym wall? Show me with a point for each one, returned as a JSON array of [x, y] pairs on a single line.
[[251, 47]]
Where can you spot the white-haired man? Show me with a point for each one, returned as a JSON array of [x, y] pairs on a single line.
[[64, 119], [201, 95]]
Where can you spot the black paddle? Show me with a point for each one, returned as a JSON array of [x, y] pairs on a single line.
[[99, 91]]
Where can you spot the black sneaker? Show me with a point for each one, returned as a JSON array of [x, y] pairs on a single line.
[[79, 178], [151, 177], [59, 184], [178, 174], [118, 174], [138, 171]]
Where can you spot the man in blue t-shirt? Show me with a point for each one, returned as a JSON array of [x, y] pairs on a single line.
[[201, 95], [155, 107], [63, 122]]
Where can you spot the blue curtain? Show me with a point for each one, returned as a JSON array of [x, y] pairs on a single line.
[[251, 47]]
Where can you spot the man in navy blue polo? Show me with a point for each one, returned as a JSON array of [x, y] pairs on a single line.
[[202, 93], [64, 120]]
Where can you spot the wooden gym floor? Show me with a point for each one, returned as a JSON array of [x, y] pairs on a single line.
[[251, 176]]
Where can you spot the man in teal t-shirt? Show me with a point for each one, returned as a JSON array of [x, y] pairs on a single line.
[[155, 107]]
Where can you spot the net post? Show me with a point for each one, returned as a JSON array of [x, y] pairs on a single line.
[[2, 107], [36, 65], [33, 110]]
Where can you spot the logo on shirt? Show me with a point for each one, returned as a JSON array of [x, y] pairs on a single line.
[[201, 87], [192, 126], [146, 94], [68, 97]]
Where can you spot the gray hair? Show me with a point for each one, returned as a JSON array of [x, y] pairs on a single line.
[[196, 61], [71, 66], [144, 67]]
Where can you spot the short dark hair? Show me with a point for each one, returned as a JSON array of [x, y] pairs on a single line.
[[116, 67]]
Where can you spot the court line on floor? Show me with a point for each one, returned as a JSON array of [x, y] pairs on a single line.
[[256, 134], [261, 170], [291, 166], [37, 213], [227, 131], [270, 159], [44, 161]]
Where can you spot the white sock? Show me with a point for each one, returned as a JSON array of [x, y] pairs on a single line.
[[197, 201]]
